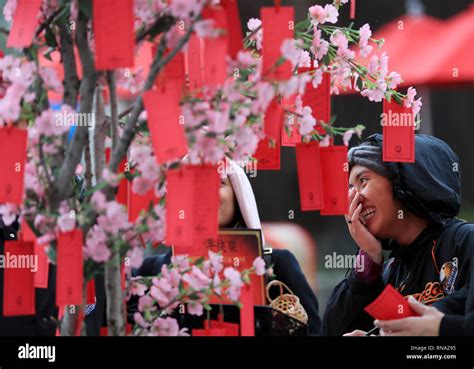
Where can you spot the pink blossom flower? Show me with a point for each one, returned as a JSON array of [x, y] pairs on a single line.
[[9, 213], [145, 303], [66, 222], [320, 15], [195, 308], [9, 10], [319, 46], [259, 265], [137, 288], [197, 279], [165, 327], [135, 256], [253, 24], [138, 318], [180, 262], [110, 177], [184, 9], [325, 141], [51, 79], [394, 79], [96, 245], [205, 29], [98, 201], [216, 261], [307, 122], [347, 136], [364, 35]]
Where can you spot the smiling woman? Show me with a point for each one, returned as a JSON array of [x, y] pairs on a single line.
[[410, 209]]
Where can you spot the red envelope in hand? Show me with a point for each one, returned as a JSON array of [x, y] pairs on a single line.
[[234, 28], [334, 171], [69, 272], [268, 157], [12, 164], [113, 34], [319, 100], [273, 120], [276, 23], [389, 305], [217, 48], [18, 282], [165, 122], [398, 133], [41, 275], [309, 176], [25, 23]]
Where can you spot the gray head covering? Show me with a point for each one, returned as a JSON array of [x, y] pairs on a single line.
[[369, 156]]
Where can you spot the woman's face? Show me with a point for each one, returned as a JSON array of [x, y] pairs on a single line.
[[380, 209], [227, 203]]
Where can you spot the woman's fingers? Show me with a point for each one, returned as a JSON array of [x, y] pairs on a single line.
[[353, 204]]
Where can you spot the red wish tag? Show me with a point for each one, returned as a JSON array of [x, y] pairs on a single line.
[[277, 26], [138, 203], [26, 232], [268, 157], [165, 122], [389, 305], [12, 164], [69, 273], [18, 280], [290, 135], [247, 317], [90, 292], [41, 275], [113, 33], [208, 331], [319, 100], [230, 329], [122, 190], [234, 28], [194, 63], [309, 176], [334, 170], [192, 206], [398, 133], [216, 49], [273, 120], [25, 23]]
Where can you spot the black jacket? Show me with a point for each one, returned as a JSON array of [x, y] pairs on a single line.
[[40, 324], [430, 188], [285, 267], [459, 311]]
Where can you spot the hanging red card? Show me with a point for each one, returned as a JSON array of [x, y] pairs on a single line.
[[174, 71], [26, 232], [215, 49], [319, 100], [165, 122], [247, 315], [390, 304], [309, 176], [41, 275], [194, 63], [268, 157], [113, 34], [25, 23], [12, 165], [208, 331], [230, 329], [334, 171], [69, 270], [398, 133], [234, 28], [122, 189], [277, 26], [290, 135], [90, 292], [18, 279], [273, 120], [137, 203]]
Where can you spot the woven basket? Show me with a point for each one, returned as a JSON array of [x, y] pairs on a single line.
[[287, 303]]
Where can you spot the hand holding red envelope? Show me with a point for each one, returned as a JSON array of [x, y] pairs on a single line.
[[390, 304]]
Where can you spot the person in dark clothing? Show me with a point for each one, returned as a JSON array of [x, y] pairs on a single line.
[[238, 209], [40, 324], [410, 209], [451, 316]]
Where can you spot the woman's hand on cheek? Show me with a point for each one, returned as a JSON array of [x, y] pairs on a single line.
[[359, 233]]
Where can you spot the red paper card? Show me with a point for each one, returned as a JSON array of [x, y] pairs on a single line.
[[69, 272], [192, 207], [41, 275], [194, 63], [268, 158], [292, 137], [247, 317], [12, 164], [230, 329], [234, 27], [319, 100], [26, 232], [273, 120], [334, 171], [208, 331], [90, 292], [25, 23], [122, 190], [309, 176], [18, 278], [390, 304], [398, 133], [165, 122], [216, 49], [113, 34], [276, 28], [137, 203]]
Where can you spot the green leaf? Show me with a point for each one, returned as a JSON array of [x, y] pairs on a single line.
[[85, 7], [302, 26]]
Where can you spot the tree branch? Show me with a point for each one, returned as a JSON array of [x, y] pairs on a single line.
[[113, 107], [71, 81]]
